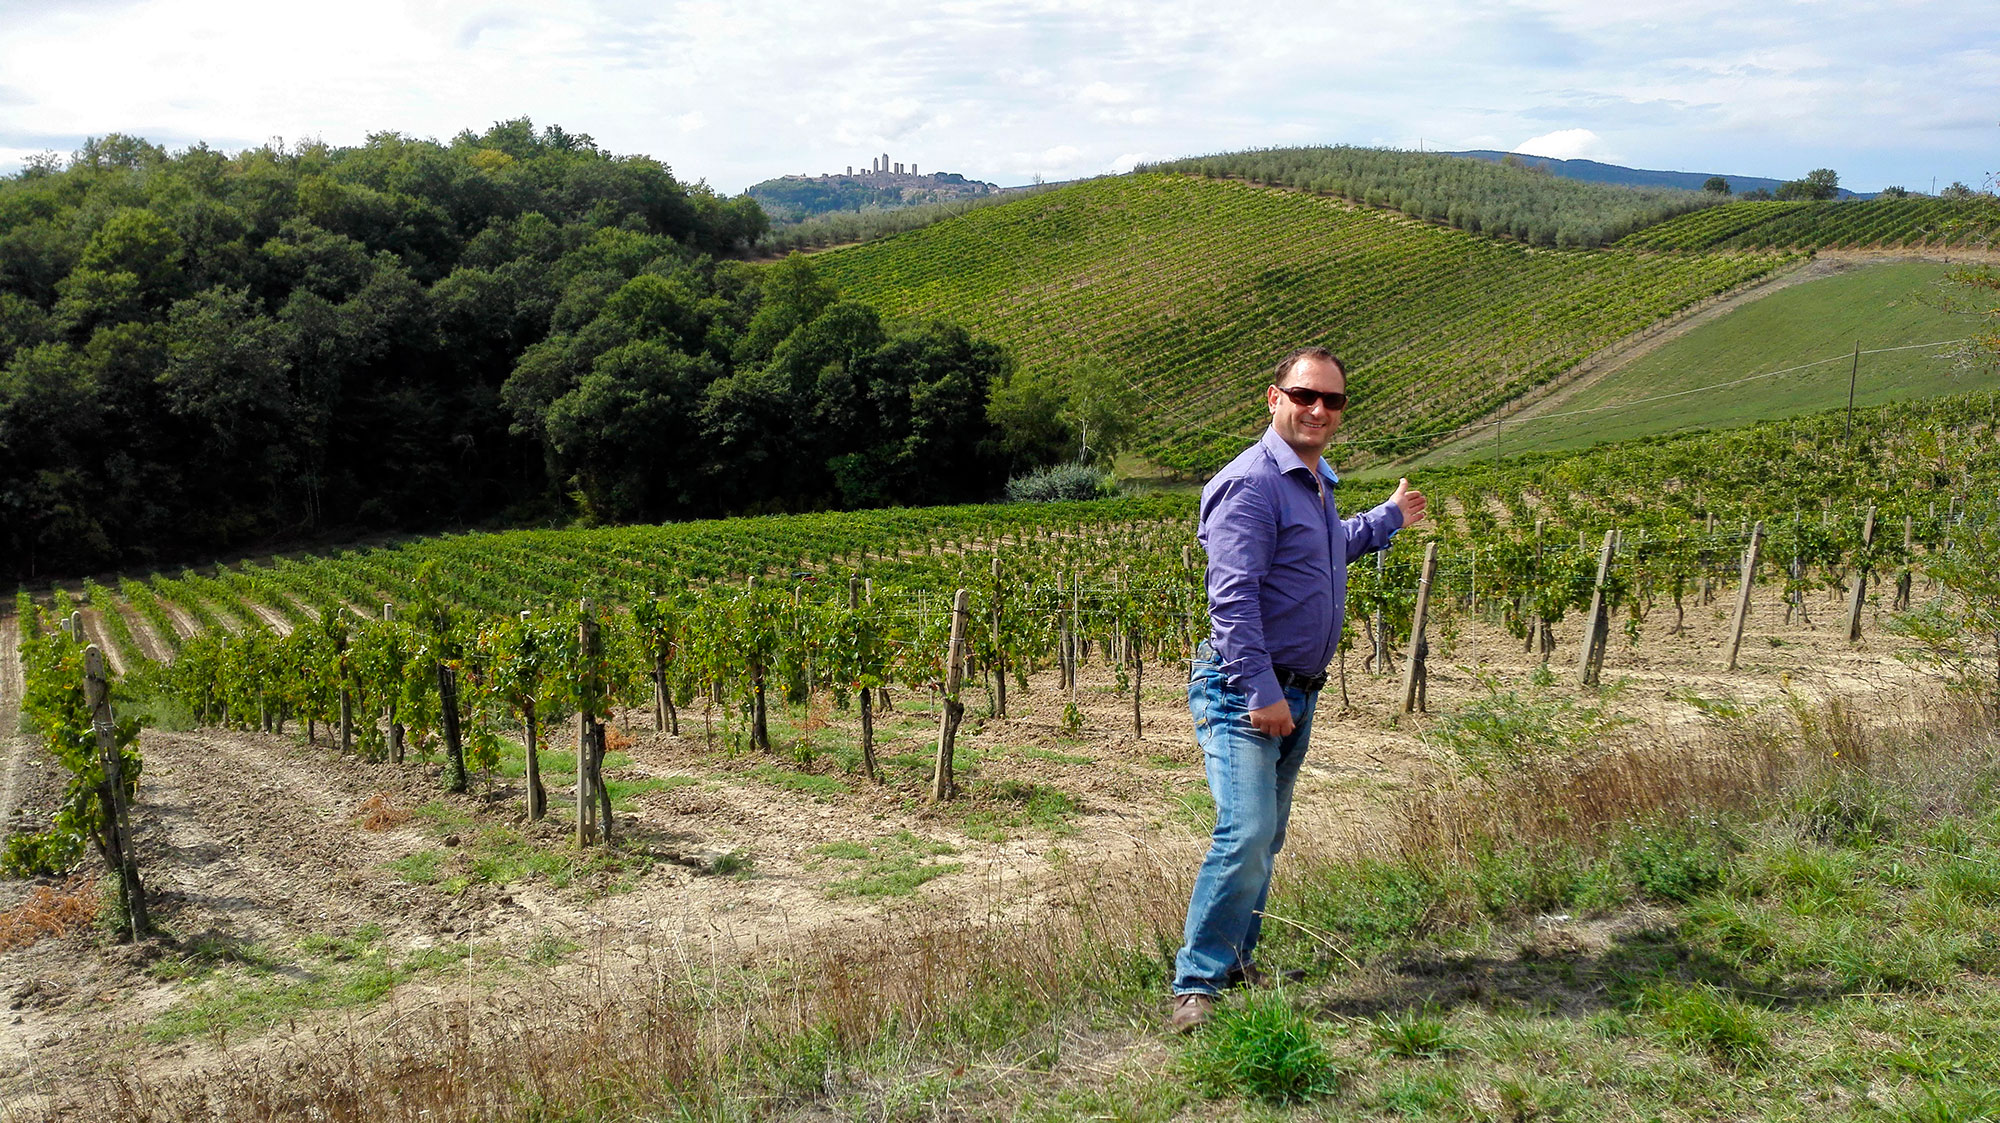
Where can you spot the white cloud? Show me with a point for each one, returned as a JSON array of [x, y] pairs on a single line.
[[1563, 144], [1104, 93], [733, 91]]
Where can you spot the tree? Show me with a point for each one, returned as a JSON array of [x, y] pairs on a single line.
[[1893, 193], [1957, 190], [1820, 183], [1026, 412], [1102, 410], [1715, 185]]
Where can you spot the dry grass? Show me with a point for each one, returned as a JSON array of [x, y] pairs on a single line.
[[719, 1034], [50, 910], [376, 813]]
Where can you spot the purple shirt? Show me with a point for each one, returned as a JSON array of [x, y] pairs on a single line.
[[1277, 564]]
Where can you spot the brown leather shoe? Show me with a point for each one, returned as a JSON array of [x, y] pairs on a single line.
[[1191, 1011]]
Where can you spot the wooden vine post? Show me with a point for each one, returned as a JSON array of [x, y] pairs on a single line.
[[1378, 633], [1743, 595], [390, 713], [1857, 592], [1540, 637], [867, 698], [999, 655], [1597, 625], [1903, 576], [1707, 593], [760, 726], [1075, 633], [447, 682], [1134, 652], [115, 837], [942, 787], [882, 703], [538, 794], [1414, 672], [343, 659], [590, 732]]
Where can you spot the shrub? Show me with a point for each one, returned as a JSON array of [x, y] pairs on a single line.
[[1060, 482]]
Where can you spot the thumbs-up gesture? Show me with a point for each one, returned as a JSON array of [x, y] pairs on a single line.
[[1411, 501]]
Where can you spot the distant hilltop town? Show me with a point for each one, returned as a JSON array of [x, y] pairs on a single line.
[[884, 184]]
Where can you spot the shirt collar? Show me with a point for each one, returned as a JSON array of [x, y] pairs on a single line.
[[1286, 459]]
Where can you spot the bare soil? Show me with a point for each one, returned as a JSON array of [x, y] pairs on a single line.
[[264, 843]]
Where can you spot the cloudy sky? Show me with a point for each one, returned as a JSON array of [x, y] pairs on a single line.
[[736, 92]]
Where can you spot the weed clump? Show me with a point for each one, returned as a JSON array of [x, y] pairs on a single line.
[[1260, 1049], [1706, 1018]]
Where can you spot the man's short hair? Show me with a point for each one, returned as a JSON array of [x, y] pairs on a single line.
[[1317, 354]]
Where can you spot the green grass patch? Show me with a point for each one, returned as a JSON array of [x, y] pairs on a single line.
[[1707, 1019], [996, 812], [501, 855], [894, 866], [1032, 752], [805, 783], [328, 972], [625, 792]]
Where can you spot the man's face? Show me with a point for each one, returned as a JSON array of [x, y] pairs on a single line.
[[1306, 428]]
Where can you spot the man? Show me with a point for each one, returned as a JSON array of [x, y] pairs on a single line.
[[1278, 552]]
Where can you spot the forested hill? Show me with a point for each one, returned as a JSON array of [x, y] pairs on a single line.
[[204, 351]]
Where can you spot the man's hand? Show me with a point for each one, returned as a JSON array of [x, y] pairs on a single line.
[[1274, 720], [1411, 501]]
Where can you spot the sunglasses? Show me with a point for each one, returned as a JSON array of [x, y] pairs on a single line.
[[1336, 400]]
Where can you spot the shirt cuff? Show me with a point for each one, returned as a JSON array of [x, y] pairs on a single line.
[[1262, 689]]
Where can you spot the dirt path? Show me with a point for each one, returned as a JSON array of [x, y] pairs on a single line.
[[149, 643], [183, 623], [1601, 364], [95, 632], [271, 617]]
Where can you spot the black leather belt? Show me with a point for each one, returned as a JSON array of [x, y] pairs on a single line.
[[1307, 683]]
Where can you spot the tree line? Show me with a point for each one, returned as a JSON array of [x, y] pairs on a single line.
[[203, 351]]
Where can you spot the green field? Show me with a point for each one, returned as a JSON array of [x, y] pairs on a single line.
[[1190, 287], [1807, 331]]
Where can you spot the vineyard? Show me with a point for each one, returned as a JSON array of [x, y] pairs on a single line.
[[1826, 224], [452, 644], [762, 714], [1178, 282]]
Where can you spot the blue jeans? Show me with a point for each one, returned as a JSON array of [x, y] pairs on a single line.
[[1251, 776]]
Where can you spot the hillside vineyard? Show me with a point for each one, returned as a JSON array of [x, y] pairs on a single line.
[[1826, 224], [1187, 286]]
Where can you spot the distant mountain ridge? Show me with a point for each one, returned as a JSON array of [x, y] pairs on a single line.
[[1594, 172]]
